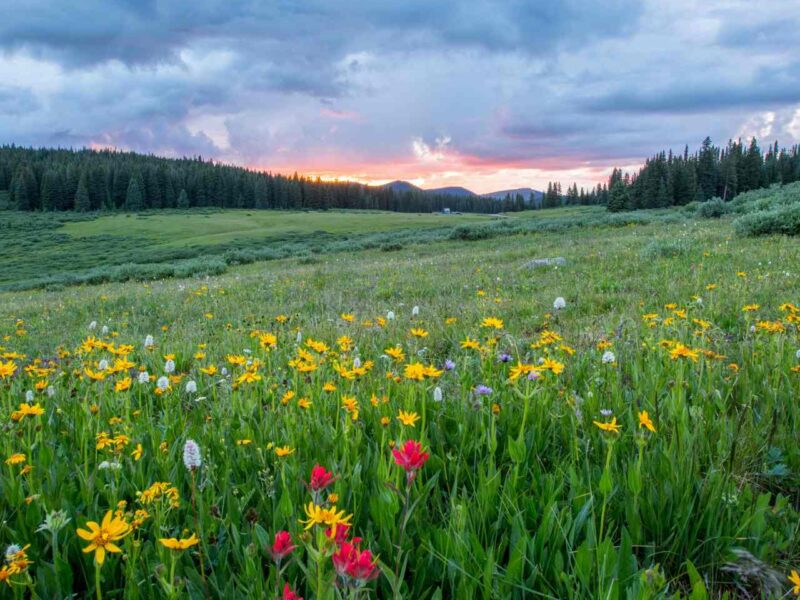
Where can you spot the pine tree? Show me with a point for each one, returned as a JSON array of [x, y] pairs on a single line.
[[83, 202], [618, 197], [134, 199], [183, 199]]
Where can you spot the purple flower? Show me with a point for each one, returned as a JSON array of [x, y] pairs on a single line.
[[533, 375], [449, 365], [483, 390], [505, 357]]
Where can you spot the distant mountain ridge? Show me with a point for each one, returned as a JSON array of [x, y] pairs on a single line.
[[405, 186]]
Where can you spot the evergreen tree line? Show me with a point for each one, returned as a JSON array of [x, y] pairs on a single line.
[[90, 180], [668, 179]]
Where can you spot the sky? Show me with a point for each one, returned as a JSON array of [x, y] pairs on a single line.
[[484, 94]]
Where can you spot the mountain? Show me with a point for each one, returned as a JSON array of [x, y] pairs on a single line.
[[526, 192], [462, 192], [401, 186], [451, 191]]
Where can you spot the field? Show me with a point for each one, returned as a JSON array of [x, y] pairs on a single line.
[[638, 441], [220, 227]]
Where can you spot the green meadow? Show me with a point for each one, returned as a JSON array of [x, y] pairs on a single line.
[[638, 442]]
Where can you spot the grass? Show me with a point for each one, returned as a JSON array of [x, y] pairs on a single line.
[[180, 229], [60, 249], [523, 495]]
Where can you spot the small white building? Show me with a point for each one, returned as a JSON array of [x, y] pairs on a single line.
[[445, 211]]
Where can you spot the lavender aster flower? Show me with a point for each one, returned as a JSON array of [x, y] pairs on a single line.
[[483, 390], [449, 365], [505, 357]]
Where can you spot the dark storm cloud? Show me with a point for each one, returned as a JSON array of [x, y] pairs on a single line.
[[505, 83], [92, 31]]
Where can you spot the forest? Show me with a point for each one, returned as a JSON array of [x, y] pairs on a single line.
[[111, 180], [108, 180], [669, 179]]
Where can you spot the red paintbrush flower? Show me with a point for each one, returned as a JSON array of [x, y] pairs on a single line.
[[289, 594], [282, 546], [352, 563], [410, 456], [320, 478]]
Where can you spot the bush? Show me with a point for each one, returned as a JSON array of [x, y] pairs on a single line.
[[784, 220], [713, 209]]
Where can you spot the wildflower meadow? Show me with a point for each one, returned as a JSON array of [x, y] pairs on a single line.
[[440, 421]]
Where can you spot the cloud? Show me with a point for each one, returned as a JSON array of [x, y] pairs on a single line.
[[458, 90]]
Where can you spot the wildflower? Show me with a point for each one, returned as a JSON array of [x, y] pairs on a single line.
[[16, 459], [281, 547], [27, 410], [519, 370], [317, 515], [102, 537], [178, 545], [608, 357], [610, 427], [53, 522], [492, 323], [449, 365], [143, 377], [191, 387], [352, 563], [282, 451], [169, 366], [191, 455], [123, 384], [415, 311], [411, 457], [390, 315], [551, 365], [320, 478], [504, 357], [482, 390], [750, 307], [29, 396], [408, 418], [209, 370], [137, 452], [289, 593], [395, 353], [470, 344], [93, 325], [646, 422], [418, 332], [7, 369], [437, 394], [559, 303], [795, 579], [682, 351], [149, 342], [163, 383]]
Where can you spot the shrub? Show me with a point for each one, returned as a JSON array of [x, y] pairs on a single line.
[[713, 209], [784, 220]]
